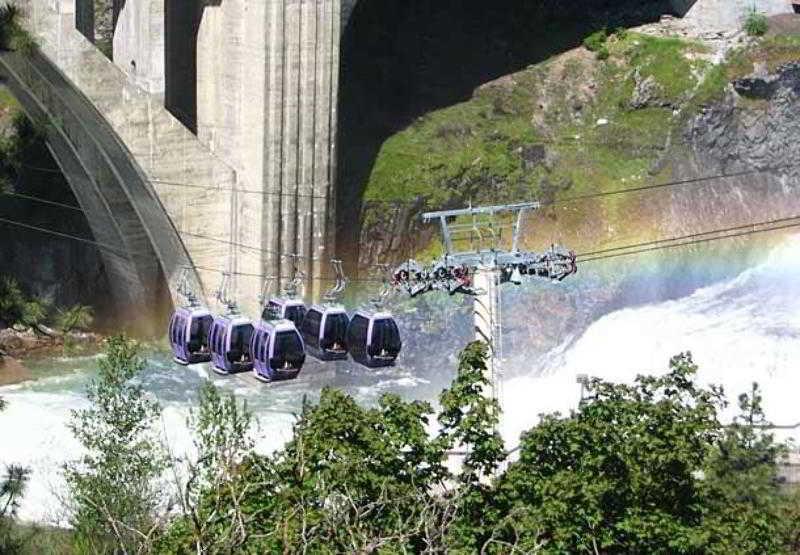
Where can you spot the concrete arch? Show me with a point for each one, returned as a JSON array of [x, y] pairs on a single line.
[[141, 246]]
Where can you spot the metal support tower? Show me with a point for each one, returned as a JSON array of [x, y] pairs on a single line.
[[480, 268]]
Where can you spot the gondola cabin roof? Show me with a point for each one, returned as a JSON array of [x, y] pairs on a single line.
[[374, 315], [336, 309], [193, 311], [278, 326], [287, 302], [235, 320]]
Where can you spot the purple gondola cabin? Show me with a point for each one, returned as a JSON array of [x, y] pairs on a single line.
[[278, 350], [324, 332], [230, 344], [188, 334], [373, 339]]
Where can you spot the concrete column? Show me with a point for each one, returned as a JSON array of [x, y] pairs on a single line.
[[271, 149], [139, 44], [292, 44], [267, 74], [307, 144]]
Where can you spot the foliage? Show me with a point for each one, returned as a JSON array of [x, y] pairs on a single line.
[[18, 309], [12, 35], [618, 475], [637, 468], [222, 438], [596, 40], [519, 135], [756, 24], [12, 487], [742, 487], [468, 420], [114, 486], [77, 317]]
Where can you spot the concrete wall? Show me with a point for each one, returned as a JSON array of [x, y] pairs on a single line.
[[187, 182], [260, 81], [267, 97], [728, 15], [139, 44]]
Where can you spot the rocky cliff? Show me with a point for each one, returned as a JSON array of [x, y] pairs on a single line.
[[658, 110]]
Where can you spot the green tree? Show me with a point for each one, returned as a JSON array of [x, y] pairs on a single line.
[[114, 487], [618, 475], [468, 418], [18, 309], [12, 35], [77, 317], [746, 505], [222, 431], [12, 487]]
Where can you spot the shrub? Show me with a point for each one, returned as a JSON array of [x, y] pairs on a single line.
[[596, 41], [603, 53], [78, 317], [756, 24], [12, 35], [16, 308], [621, 33]]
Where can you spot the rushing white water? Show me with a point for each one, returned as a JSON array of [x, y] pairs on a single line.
[[739, 331], [742, 330]]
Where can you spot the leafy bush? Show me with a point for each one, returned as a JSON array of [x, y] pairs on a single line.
[[16, 308], [78, 317], [621, 33], [114, 484], [596, 40], [756, 24], [603, 53], [12, 35], [639, 468]]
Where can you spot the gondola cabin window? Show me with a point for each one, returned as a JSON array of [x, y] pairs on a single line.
[[335, 330], [311, 325], [357, 336]]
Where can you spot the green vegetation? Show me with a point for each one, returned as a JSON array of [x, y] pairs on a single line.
[[16, 308], [568, 126], [596, 42], [640, 468], [12, 35], [12, 487], [114, 487], [756, 24], [77, 317]]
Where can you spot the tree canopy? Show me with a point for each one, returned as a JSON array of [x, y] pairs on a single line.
[[645, 467]]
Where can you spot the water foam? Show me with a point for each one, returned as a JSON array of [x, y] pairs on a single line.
[[739, 331]]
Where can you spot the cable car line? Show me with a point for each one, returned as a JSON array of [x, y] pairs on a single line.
[[566, 200], [43, 201], [698, 238], [690, 236], [688, 181], [109, 248]]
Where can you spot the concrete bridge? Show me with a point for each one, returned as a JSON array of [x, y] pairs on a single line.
[[203, 133], [208, 140]]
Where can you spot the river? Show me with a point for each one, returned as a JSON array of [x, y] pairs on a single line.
[[742, 325]]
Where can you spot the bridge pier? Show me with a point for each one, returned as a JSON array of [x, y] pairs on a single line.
[[253, 184], [267, 81]]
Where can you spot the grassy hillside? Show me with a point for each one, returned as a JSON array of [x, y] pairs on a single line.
[[572, 125]]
